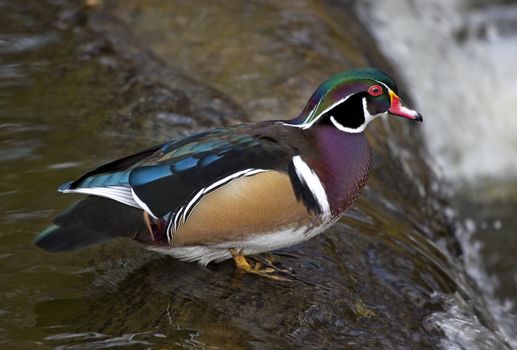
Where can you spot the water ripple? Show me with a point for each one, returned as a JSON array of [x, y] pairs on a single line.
[[20, 43]]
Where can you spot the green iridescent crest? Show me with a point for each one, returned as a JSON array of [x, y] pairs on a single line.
[[338, 88]]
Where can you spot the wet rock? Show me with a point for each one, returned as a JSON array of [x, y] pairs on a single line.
[[136, 88]]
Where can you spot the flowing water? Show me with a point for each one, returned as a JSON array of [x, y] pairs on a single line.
[[461, 56], [77, 90]]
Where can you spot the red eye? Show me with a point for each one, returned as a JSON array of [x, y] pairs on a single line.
[[375, 90]]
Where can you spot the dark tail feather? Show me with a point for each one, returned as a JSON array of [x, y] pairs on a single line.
[[91, 221]]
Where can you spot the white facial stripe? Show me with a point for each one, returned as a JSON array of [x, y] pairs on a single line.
[[344, 128], [386, 86], [308, 125], [366, 112], [309, 178], [368, 117], [314, 111], [329, 108]]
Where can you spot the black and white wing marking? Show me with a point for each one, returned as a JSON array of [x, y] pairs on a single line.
[[164, 179]]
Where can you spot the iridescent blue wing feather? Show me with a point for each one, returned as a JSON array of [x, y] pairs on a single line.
[[163, 178]]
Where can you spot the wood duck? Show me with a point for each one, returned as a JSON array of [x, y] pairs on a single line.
[[240, 190]]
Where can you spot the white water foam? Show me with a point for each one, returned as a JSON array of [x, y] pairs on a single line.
[[460, 62]]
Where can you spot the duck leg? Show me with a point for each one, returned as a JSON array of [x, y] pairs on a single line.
[[258, 269]]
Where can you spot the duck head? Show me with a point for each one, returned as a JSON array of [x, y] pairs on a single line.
[[351, 100]]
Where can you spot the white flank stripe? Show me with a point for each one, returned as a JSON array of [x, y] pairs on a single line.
[[169, 231], [309, 177], [176, 218], [247, 172], [192, 201], [254, 171], [231, 177], [120, 194], [185, 211]]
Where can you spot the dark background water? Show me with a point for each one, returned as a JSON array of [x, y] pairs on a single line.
[[81, 85]]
